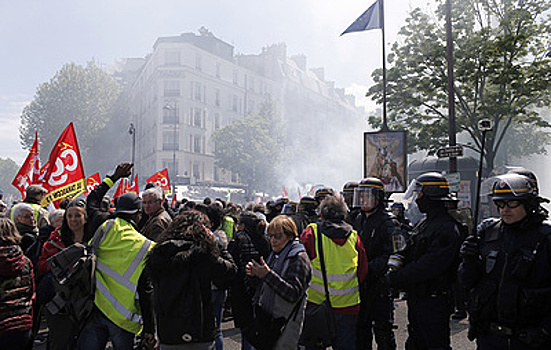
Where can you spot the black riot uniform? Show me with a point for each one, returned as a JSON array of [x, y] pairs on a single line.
[[429, 267], [306, 213], [507, 270], [376, 227]]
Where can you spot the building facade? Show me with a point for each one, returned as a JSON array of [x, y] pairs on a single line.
[[191, 85]]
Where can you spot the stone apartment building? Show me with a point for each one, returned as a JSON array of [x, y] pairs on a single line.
[[194, 84]]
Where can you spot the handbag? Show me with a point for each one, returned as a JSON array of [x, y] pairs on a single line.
[[265, 330], [320, 326]]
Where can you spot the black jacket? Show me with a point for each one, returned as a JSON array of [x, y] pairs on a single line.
[[182, 272], [510, 283], [432, 257], [376, 231]]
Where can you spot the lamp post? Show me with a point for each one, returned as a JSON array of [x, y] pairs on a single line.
[[132, 131], [174, 144]]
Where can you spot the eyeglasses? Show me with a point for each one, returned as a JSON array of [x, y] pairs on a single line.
[[509, 204]]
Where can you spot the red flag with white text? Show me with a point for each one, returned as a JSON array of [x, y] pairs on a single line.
[[92, 182], [28, 174], [63, 175], [161, 180], [121, 188]]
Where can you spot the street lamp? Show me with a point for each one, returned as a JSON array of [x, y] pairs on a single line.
[[174, 144], [132, 131], [484, 125]]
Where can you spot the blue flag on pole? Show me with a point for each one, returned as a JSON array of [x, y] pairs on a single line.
[[372, 18]]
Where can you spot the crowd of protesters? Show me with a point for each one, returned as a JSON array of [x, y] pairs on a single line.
[[165, 277]]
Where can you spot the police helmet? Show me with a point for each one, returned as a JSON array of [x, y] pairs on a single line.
[[323, 192], [529, 174], [307, 204], [433, 185], [349, 187], [513, 186], [289, 208], [369, 194]]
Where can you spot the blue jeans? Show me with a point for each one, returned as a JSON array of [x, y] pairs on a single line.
[[99, 329], [218, 300]]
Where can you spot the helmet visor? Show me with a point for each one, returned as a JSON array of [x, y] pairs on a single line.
[[412, 191], [365, 198], [510, 187]]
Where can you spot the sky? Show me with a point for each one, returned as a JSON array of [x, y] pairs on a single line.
[[38, 37]]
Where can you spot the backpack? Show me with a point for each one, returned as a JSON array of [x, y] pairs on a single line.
[[74, 276]]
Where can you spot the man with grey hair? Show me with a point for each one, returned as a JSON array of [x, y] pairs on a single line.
[[33, 196], [23, 217], [346, 263], [159, 219]]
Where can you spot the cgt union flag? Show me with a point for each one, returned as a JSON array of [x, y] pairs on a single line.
[[64, 173], [28, 174], [92, 182], [160, 179]]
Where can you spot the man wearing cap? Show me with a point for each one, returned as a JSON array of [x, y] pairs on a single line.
[[33, 197], [119, 314], [506, 268]]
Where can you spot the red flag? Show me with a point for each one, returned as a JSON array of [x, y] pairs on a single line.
[[28, 174], [160, 179], [299, 194], [174, 201], [285, 194], [133, 187], [121, 189], [92, 182], [64, 174]]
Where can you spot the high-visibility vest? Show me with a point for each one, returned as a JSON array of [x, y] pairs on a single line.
[[120, 262], [341, 266], [36, 210]]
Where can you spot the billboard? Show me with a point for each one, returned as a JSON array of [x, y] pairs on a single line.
[[385, 158]]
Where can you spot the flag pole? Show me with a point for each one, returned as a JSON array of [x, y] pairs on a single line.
[[382, 16]]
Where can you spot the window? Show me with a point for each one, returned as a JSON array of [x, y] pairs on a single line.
[[172, 88], [197, 144], [217, 98], [198, 91], [172, 57], [170, 140], [171, 166], [235, 77], [196, 173], [218, 69], [171, 115], [216, 121], [197, 115], [198, 62]]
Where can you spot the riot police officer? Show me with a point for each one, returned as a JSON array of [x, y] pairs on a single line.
[[347, 194], [306, 213], [376, 227], [430, 263], [507, 270]]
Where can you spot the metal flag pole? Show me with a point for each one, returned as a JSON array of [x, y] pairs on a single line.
[[382, 16]]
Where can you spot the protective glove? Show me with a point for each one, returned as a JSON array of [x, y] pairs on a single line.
[[470, 248], [534, 337]]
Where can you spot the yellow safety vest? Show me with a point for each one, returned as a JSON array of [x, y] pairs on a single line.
[[227, 226], [121, 258], [341, 266]]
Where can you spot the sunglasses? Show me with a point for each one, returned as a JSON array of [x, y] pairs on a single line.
[[509, 204]]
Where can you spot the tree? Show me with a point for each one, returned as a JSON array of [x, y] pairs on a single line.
[[249, 147], [502, 73], [82, 95], [8, 169]]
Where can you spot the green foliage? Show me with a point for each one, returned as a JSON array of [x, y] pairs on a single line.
[[502, 71], [249, 147], [8, 169], [82, 95]]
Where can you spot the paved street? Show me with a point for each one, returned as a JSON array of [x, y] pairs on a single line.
[[232, 338]]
